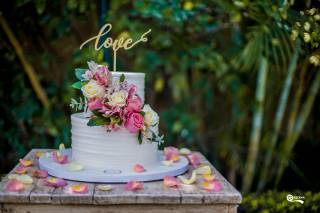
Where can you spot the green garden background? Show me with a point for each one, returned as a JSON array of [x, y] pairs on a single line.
[[236, 80]]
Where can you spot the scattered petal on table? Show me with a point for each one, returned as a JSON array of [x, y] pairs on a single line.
[[81, 188], [74, 167], [194, 159], [173, 157], [57, 157], [39, 173], [133, 186], [138, 168], [208, 177], [167, 162], [203, 170], [214, 186], [26, 179], [170, 181], [104, 187], [185, 151], [170, 149], [189, 181], [14, 186], [25, 163], [55, 182], [21, 170], [171, 153], [12, 176], [39, 154]]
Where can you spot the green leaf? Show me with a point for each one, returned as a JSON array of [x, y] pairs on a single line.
[[140, 137], [79, 72], [122, 77], [142, 113], [115, 119], [98, 121], [40, 6], [96, 112], [77, 85]]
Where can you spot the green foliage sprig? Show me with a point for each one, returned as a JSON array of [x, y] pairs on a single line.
[[78, 105]]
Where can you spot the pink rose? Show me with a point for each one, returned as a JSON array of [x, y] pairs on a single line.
[[134, 105], [133, 122], [103, 76], [132, 91], [95, 103]]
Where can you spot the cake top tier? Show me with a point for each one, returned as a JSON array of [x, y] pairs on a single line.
[[135, 78]]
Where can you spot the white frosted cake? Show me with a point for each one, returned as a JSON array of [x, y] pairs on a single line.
[[119, 145]]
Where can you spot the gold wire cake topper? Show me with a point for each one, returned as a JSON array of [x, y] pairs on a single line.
[[115, 44]]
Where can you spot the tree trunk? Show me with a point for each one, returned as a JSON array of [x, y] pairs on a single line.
[[256, 125], [278, 119]]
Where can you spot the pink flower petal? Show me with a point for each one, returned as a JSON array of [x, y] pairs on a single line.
[[170, 149], [138, 168], [194, 159], [170, 181], [39, 154], [40, 173], [172, 157], [14, 186], [55, 182], [58, 158], [208, 177], [21, 170], [171, 154], [133, 186], [25, 163], [210, 186], [80, 188], [95, 103]]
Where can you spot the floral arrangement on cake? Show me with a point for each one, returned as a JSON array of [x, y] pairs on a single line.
[[114, 104]]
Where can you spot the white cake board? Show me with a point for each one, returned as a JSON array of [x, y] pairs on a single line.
[[154, 172]]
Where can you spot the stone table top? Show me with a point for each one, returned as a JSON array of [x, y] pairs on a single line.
[[153, 193]]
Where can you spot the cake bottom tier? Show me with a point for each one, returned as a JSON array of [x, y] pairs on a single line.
[[95, 147]]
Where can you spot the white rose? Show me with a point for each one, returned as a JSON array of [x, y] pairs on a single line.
[[118, 98], [151, 117], [92, 89]]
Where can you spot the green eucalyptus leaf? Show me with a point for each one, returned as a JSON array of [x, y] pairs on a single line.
[[96, 112], [122, 78], [77, 85], [79, 72], [140, 137], [98, 121]]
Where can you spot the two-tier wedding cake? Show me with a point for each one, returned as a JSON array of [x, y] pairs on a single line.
[[117, 130], [115, 136]]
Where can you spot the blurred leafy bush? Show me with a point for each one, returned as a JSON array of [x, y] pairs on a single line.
[[274, 201]]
